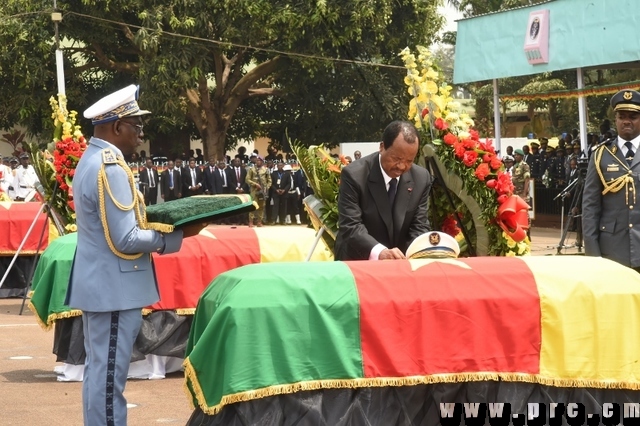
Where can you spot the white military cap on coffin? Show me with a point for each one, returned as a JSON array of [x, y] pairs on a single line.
[[433, 245], [122, 103]]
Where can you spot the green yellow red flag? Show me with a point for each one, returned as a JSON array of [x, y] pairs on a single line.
[[276, 328]]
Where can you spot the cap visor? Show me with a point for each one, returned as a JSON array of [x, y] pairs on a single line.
[[138, 113]]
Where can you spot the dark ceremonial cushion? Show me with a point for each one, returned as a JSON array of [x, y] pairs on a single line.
[[200, 208]]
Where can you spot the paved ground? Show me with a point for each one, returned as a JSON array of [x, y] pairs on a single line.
[[30, 394]]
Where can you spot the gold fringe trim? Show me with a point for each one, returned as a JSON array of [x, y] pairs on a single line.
[[160, 227], [179, 311], [44, 326], [192, 385], [22, 252], [51, 319]]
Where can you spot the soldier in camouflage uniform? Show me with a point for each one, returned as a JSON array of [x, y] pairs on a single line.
[[521, 176]]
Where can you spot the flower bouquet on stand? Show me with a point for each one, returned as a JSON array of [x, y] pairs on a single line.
[[55, 166], [473, 200], [323, 175]]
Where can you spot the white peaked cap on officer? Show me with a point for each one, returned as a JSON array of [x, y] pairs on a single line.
[[123, 103], [287, 167], [434, 244]]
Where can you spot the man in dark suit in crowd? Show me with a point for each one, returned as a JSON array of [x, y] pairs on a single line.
[[237, 174], [192, 179], [179, 172], [221, 179], [149, 182], [280, 185], [170, 183], [383, 198], [237, 178], [208, 176]]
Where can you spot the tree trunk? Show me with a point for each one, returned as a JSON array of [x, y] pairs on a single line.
[[212, 109], [213, 140]]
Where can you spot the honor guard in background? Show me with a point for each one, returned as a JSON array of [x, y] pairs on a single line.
[[13, 165], [535, 162], [25, 179], [112, 276], [6, 177], [557, 172], [610, 208]]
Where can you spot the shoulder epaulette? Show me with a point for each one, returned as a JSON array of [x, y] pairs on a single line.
[[605, 142], [108, 157]]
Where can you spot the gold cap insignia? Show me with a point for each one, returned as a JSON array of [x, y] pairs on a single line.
[[627, 95], [434, 238]]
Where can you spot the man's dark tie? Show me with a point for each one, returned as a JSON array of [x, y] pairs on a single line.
[[630, 152], [393, 187]]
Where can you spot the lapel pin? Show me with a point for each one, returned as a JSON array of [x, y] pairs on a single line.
[[409, 189]]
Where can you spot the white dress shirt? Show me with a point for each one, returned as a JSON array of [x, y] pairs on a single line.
[[377, 249], [635, 142]]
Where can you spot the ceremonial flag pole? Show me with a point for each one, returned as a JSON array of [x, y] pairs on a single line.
[[56, 17]]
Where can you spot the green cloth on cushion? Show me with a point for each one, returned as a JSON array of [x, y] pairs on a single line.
[[258, 326], [51, 279], [199, 208]]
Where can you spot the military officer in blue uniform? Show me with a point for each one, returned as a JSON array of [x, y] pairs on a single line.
[[610, 204], [112, 276]]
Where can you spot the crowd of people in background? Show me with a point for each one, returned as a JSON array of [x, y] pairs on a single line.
[[276, 183], [556, 167], [18, 178]]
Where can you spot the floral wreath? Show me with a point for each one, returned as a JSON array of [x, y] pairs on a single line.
[[494, 219], [57, 170]]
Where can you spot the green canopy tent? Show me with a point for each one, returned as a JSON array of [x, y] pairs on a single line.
[[575, 34]]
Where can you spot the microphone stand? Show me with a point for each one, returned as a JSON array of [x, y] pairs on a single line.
[[576, 186]]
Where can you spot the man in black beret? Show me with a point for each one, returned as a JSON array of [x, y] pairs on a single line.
[[610, 208]]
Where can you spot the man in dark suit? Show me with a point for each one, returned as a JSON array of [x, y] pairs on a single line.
[[237, 177], [192, 179], [222, 179], [208, 176], [170, 183], [610, 208], [237, 174], [179, 171], [382, 203], [280, 185], [149, 182]]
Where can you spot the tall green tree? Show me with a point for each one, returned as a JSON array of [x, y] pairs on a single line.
[[206, 61]]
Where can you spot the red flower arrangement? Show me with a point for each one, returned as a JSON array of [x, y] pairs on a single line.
[[57, 165], [450, 226], [66, 155], [463, 159]]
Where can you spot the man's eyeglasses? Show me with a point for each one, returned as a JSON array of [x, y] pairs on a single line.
[[138, 127]]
